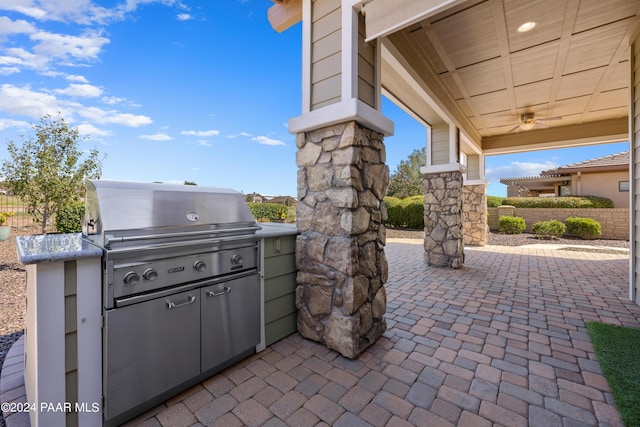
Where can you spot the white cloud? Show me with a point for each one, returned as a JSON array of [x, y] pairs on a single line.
[[22, 57], [157, 137], [236, 135], [7, 71], [518, 169], [76, 78], [98, 115], [130, 120], [112, 100], [7, 26], [201, 133], [87, 46], [205, 144], [10, 123], [81, 90], [25, 7], [265, 140], [184, 17], [91, 130], [26, 102]]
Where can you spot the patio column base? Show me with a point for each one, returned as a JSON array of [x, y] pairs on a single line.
[[443, 241], [474, 214], [342, 180]]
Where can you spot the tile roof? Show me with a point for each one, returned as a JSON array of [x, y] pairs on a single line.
[[618, 159], [611, 160]]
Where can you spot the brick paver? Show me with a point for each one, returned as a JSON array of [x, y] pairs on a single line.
[[500, 341]]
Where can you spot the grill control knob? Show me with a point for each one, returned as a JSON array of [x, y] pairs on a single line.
[[131, 278], [237, 259], [150, 274], [199, 266]]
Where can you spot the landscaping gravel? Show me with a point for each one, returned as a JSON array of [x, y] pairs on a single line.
[[516, 239], [13, 304]]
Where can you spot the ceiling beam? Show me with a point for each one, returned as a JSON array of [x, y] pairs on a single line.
[[428, 90], [284, 14], [591, 133]]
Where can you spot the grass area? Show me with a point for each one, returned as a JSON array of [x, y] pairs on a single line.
[[618, 351], [9, 201]]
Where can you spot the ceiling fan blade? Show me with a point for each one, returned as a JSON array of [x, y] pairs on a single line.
[[513, 129], [549, 118], [540, 125]]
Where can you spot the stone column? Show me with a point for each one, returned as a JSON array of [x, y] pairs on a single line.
[[342, 180], [474, 214], [443, 241]]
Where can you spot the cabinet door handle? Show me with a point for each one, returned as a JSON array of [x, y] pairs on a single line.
[[226, 290], [190, 300]]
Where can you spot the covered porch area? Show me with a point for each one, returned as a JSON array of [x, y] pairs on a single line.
[[484, 78]]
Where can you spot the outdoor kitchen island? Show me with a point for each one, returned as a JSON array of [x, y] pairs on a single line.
[[68, 328]]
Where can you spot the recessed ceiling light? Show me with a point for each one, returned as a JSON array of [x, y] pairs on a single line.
[[527, 26]]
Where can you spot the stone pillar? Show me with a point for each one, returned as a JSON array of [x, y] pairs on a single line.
[[342, 180], [443, 241], [474, 214]]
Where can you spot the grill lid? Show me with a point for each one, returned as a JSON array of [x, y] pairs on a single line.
[[118, 211]]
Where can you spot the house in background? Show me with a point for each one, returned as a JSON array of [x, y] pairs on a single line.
[[606, 176], [282, 200]]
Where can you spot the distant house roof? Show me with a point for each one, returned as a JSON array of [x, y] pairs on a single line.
[[618, 161], [612, 161]]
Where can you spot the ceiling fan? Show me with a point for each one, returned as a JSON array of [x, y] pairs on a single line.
[[528, 121]]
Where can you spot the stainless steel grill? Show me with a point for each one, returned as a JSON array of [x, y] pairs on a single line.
[[180, 286]]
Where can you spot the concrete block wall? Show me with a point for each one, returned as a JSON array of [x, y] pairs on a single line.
[[614, 222]]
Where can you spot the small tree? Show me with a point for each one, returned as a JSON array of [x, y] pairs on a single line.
[[407, 181], [47, 172]]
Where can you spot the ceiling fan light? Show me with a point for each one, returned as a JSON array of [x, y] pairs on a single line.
[[527, 125], [527, 26]]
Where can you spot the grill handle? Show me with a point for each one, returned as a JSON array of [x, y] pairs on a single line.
[[190, 300], [182, 243], [123, 239], [217, 294]]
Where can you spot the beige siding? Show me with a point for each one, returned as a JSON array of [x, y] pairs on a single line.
[[635, 159], [366, 66], [473, 167], [326, 42], [71, 338], [280, 313], [605, 185], [440, 145]]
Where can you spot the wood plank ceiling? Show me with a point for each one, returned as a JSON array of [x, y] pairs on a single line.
[[571, 69]]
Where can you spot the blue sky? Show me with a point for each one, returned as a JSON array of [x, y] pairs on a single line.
[[173, 91]]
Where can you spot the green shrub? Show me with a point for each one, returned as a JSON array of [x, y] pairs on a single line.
[[548, 229], [413, 211], [511, 225], [265, 212], [559, 202], [69, 218], [586, 228], [405, 213], [394, 212], [494, 201]]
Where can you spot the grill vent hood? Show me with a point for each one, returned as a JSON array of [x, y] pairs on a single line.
[[116, 208]]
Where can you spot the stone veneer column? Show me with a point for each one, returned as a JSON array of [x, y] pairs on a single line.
[[443, 241], [474, 214], [342, 180]]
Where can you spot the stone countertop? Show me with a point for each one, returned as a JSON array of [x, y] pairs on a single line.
[[275, 229], [39, 248]]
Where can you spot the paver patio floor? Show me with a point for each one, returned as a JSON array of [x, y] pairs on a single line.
[[501, 341]]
